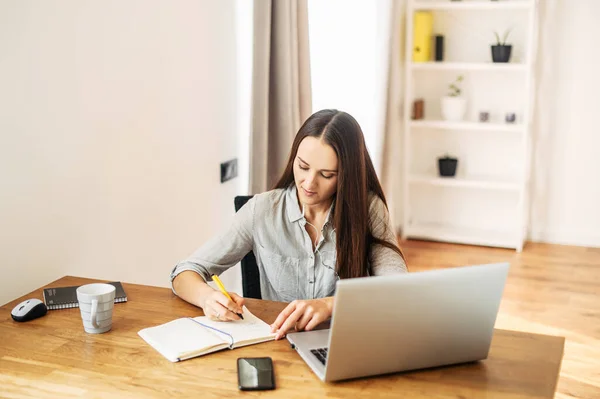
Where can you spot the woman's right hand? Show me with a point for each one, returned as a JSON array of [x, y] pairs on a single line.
[[218, 307]]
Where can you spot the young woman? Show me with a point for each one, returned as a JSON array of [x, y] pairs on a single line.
[[326, 219]]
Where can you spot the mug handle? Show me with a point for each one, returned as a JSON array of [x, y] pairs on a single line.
[[94, 313]]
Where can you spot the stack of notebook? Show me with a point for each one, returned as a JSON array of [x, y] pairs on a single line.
[[66, 297]]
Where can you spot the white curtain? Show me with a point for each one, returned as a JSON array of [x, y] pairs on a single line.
[[390, 161], [350, 68]]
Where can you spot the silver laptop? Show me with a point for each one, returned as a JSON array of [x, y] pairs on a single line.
[[404, 322]]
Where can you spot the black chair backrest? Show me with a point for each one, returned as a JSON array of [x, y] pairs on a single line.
[[250, 274]]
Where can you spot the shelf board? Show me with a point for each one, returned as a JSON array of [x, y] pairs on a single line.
[[471, 126], [472, 5], [461, 235], [467, 182], [468, 66]]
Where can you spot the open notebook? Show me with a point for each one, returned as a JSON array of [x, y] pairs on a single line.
[[188, 337]]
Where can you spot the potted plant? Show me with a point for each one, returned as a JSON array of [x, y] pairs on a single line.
[[447, 166], [501, 51], [453, 105]]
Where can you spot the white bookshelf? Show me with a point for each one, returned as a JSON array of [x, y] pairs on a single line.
[[463, 235], [486, 202], [467, 66], [482, 182], [467, 126], [471, 5]]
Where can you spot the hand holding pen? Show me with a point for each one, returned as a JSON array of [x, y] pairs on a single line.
[[226, 308]]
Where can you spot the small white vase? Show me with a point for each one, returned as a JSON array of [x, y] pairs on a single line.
[[454, 108]]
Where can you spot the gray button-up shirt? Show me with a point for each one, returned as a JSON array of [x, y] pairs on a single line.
[[272, 225]]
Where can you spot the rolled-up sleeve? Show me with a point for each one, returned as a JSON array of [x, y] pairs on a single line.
[[383, 260], [224, 250]]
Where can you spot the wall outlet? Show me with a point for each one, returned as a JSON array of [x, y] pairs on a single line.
[[229, 170]]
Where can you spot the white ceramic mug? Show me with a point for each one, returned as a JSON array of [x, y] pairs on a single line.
[[96, 302]]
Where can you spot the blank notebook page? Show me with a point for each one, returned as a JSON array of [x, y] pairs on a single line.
[[180, 337], [250, 329]]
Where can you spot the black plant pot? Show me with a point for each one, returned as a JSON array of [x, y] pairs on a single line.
[[447, 166], [501, 53]]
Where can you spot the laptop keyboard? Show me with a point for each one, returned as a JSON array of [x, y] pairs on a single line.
[[321, 354]]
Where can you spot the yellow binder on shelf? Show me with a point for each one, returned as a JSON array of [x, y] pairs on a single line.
[[422, 32]]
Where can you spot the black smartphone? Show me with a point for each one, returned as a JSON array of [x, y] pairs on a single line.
[[255, 373]]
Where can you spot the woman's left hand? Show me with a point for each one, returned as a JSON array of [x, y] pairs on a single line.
[[302, 315]]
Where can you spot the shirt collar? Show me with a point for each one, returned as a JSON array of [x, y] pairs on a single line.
[[293, 208]]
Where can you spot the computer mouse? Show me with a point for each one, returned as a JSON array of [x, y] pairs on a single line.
[[29, 310]]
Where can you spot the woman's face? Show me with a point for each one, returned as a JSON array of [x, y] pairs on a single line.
[[315, 171]]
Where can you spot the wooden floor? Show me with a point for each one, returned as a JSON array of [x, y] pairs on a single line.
[[551, 289]]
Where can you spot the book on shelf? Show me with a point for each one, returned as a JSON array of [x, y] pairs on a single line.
[[66, 297], [188, 337]]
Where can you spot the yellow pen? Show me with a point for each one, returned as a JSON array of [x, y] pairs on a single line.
[[217, 281]]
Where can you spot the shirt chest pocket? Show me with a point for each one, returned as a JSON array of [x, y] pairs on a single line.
[[327, 275], [283, 273]]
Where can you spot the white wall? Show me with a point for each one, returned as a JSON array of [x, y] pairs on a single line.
[[566, 174], [114, 117]]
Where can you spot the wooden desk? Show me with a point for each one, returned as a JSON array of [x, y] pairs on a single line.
[[53, 357]]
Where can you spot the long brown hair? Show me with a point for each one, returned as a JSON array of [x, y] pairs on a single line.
[[356, 179]]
